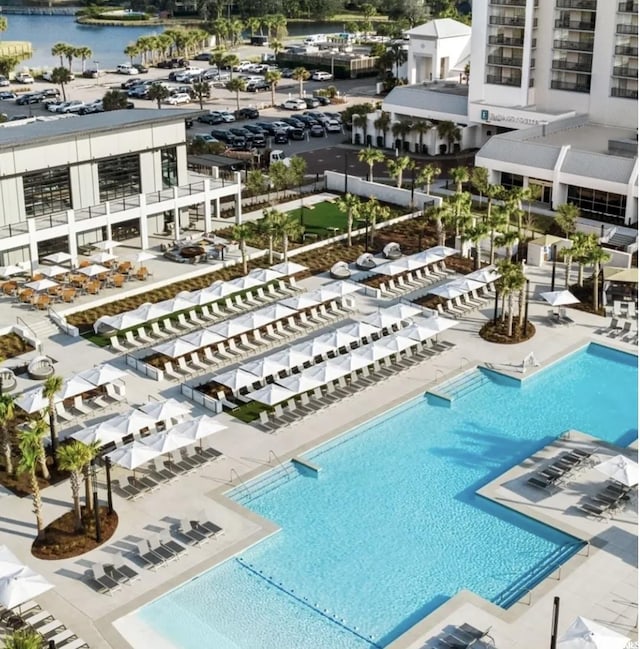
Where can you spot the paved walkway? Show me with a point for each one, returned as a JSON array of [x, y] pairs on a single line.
[[600, 586]]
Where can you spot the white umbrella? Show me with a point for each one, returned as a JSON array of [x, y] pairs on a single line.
[[427, 257], [289, 268], [218, 290], [230, 328], [143, 255], [132, 455], [93, 270], [132, 422], [484, 275], [57, 257], [326, 372], [32, 401], [341, 288], [202, 338], [244, 283], [118, 322], [102, 257], [265, 275], [174, 348], [271, 394], [198, 298], [559, 298], [465, 284], [447, 291], [174, 304], [300, 382], [369, 353], [381, 319], [72, 387], [402, 311], [41, 284], [437, 323], [107, 244], [235, 379], [399, 266], [165, 410], [22, 585], [103, 433], [301, 302], [9, 563], [149, 311], [313, 347], [442, 251], [358, 328], [621, 469], [395, 343], [165, 442], [266, 366], [195, 429], [103, 374], [293, 356], [51, 271], [587, 634], [254, 320], [338, 338], [276, 311], [419, 331], [348, 363], [7, 271]]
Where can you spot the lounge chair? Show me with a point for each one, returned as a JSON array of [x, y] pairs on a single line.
[[156, 545], [564, 318], [265, 422], [195, 319], [593, 510], [172, 545], [205, 526], [36, 618], [55, 626], [170, 372], [122, 573], [131, 492], [190, 535], [157, 332], [177, 462], [80, 406], [58, 639], [134, 342], [181, 323], [541, 482], [107, 585]]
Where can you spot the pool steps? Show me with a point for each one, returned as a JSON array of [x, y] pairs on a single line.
[[457, 387], [543, 569], [305, 467], [305, 602]]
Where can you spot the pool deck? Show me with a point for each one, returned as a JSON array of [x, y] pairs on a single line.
[[601, 586]]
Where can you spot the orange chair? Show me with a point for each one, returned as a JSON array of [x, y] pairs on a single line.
[[118, 280], [124, 267], [42, 301], [9, 288], [26, 295], [84, 263], [142, 273], [68, 295], [93, 288]]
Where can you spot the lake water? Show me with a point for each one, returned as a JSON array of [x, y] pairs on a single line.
[[106, 42]]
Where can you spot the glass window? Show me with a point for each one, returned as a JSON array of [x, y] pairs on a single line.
[[597, 204], [119, 177], [169, 158], [511, 180], [47, 191]]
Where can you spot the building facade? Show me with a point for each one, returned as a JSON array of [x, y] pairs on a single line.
[[116, 175]]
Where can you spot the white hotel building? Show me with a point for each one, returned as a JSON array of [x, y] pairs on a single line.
[[120, 175], [552, 97]]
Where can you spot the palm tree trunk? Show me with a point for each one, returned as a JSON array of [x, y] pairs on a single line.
[[37, 505], [580, 274], [568, 271], [88, 496], [492, 250], [42, 461], [503, 299], [6, 449], [270, 249], [596, 273], [349, 227], [285, 247], [478, 256], [243, 253], [53, 431], [370, 174], [510, 320], [75, 491], [372, 230], [522, 300]]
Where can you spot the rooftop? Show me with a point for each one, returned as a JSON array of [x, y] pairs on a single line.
[[444, 98], [441, 28], [587, 137]]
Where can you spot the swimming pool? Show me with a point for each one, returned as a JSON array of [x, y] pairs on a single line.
[[392, 527]]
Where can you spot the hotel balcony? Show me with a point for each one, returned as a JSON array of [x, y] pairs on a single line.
[[628, 7], [504, 81], [627, 50], [625, 72], [506, 40], [509, 3], [627, 29], [576, 25], [504, 61], [624, 93], [572, 66], [577, 46], [583, 5], [509, 21], [572, 86]]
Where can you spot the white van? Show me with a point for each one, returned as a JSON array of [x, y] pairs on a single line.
[[314, 39], [126, 68]]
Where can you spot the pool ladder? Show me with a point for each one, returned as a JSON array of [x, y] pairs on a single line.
[[272, 454], [240, 480]]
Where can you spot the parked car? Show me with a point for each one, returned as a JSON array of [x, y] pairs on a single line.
[[203, 56], [212, 117], [281, 126], [50, 92], [312, 102], [227, 116], [293, 122], [139, 91], [296, 134], [173, 63], [255, 129], [204, 137], [267, 127], [281, 137], [129, 83], [333, 126], [286, 73], [92, 107], [324, 101], [72, 106], [188, 122], [4, 81], [126, 68], [29, 98], [317, 130], [91, 74], [24, 77], [6, 96], [178, 98], [46, 76], [257, 86], [247, 113], [142, 69], [258, 140], [294, 104], [319, 75]]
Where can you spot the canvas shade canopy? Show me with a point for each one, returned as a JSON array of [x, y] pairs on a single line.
[[244, 283], [175, 304], [436, 323], [271, 394], [338, 338], [300, 382], [340, 288], [235, 379], [202, 338], [587, 634], [107, 244], [103, 374], [396, 343], [174, 348], [559, 298], [132, 422], [447, 291], [267, 366], [143, 255], [288, 268], [218, 290], [230, 328], [484, 275], [427, 257], [72, 387], [398, 266], [165, 442], [326, 372], [314, 347], [402, 311], [348, 363], [32, 401], [57, 257], [465, 284], [132, 455], [197, 298], [102, 257], [381, 319], [7, 271], [93, 270], [276, 311], [358, 329], [370, 353], [165, 410], [293, 356], [149, 311], [41, 284], [442, 251], [104, 433], [254, 320], [22, 585], [119, 322], [198, 428], [301, 302], [621, 469], [52, 271], [9, 563], [264, 275], [419, 331], [613, 274]]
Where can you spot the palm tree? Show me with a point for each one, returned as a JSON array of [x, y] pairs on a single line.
[[256, 183], [158, 93], [566, 216], [252, 24], [70, 54], [499, 219], [301, 74], [23, 638], [459, 175], [236, 85], [426, 176], [276, 46], [480, 180], [400, 130], [460, 210], [62, 77], [477, 234], [241, 232], [60, 49], [382, 124], [596, 256], [421, 127], [38, 427], [506, 240], [267, 226], [287, 228], [114, 100], [511, 283], [272, 77], [397, 166], [3, 24], [93, 450], [83, 53], [531, 193], [201, 90], [51, 387], [493, 193], [7, 413], [370, 156], [448, 131], [30, 446], [438, 214], [73, 457], [352, 206], [132, 50], [360, 120], [230, 61], [582, 244]]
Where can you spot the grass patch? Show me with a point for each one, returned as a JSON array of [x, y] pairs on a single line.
[[248, 412], [319, 217]]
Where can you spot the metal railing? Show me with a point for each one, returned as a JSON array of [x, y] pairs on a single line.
[[627, 29], [272, 453], [628, 7], [578, 45], [573, 87], [624, 71], [627, 50], [240, 480], [503, 60], [576, 66], [624, 93], [579, 25], [585, 5], [509, 21], [504, 81], [505, 40]]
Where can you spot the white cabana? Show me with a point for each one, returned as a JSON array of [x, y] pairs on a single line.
[[32, 401], [229, 328], [132, 422], [132, 455], [235, 379], [219, 290], [395, 343], [102, 257], [103, 433], [402, 311], [107, 244], [276, 311], [419, 331], [447, 291], [442, 251], [57, 257], [292, 356], [301, 302], [22, 585], [313, 347], [398, 266], [437, 323], [174, 348], [165, 442], [253, 320], [559, 298], [264, 275], [289, 268], [266, 366], [370, 353], [198, 428], [465, 284], [103, 374], [118, 322], [165, 410], [42, 284], [51, 271], [340, 288], [587, 634], [175, 304], [197, 298], [338, 338], [325, 372], [202, 338], [93, 270], [348, 363], [72, 387], [381, 319], [143, 255], [149, 311], [271, 394], [621, 469], [9, 563], [300, 382], [427, 257], [484, 275], [358, 329], [8, 271], [244, 283]]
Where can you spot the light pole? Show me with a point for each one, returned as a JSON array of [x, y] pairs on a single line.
[[526, 309], [554, 248], [96, 503], [107, 466], [345, 174]]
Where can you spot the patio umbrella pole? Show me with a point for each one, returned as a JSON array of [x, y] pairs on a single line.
[[554, 622], [107, 467], [96, 504]]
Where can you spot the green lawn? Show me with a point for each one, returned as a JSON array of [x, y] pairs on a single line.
[[319, 217]]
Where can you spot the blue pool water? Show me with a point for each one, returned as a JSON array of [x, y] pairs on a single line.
[[392, 527]]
